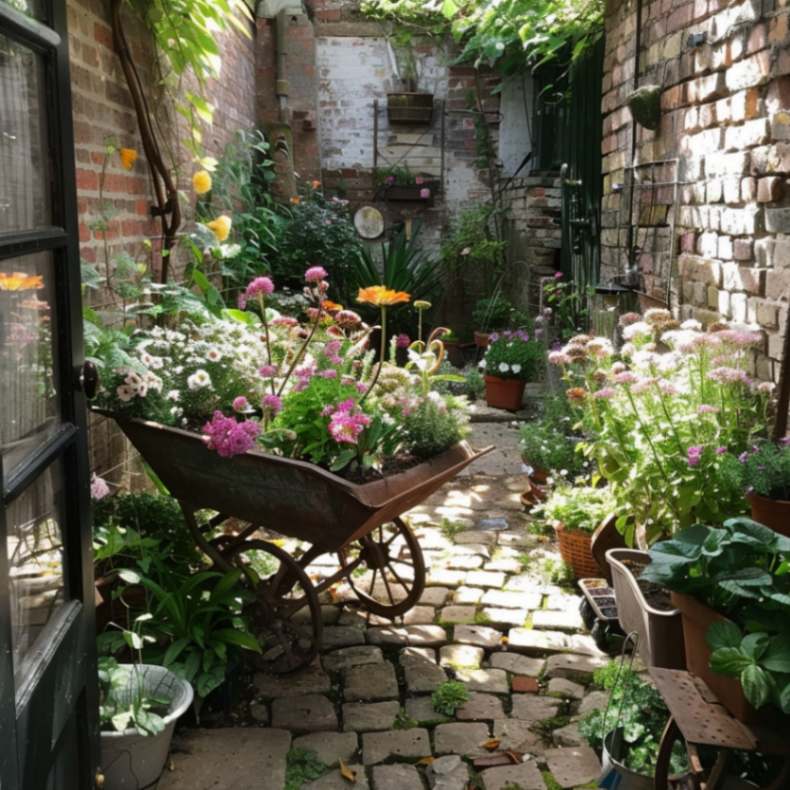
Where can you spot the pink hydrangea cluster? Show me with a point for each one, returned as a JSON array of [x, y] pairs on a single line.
[[315, 274], [272, 404], [346, 421], [241, 404], [260, 286], [228, 436]]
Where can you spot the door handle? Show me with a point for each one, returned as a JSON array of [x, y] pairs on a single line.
[[88, 379]]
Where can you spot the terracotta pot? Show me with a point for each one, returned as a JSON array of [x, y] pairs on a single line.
[[697, 619], [576, 550], [537, 475], [481, 339], [504, 393], [774, 513]]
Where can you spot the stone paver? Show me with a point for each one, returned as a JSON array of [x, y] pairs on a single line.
[[369, 716], [517, 735], [594, 700], [329, 747], [518, 664], [492, 680], [557, 621], [334, 781], [526, 776], [434, 596], [342, 636], [476, 536], [347, 657], [461, 738], [461, 656], [532, 642], [453, 615], [396, 777], [467, 595], [511, 600], [568, 735], [480, 635], [421, 675], [504, 618], [574, 667], [420, 709], [308, 713], [573, 765], [234, 757], [480, 707], [312, 680], [494, 579], [370, 682], [530, 707], [448, 773], [420, 635], [378, 746], [567, 689]]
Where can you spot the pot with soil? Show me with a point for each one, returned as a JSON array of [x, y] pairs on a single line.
[[613, 772], [774, 513], [646, 608], [505, 394]]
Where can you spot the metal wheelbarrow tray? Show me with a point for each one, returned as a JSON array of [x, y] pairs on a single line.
[[378, 554]]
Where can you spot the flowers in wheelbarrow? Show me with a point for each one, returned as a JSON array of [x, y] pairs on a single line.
[[346, 422], [229, 436]]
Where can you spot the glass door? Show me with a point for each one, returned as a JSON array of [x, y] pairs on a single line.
[[48, 703]]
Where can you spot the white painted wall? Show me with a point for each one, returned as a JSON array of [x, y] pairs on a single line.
[[516, 121]]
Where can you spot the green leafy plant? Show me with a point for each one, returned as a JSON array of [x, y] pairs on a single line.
[[473, 242], [742, 571], [636, 707], [765, 470], [513, 355], [577, 507], [430, 429], [492, 314], [449, 696], [302, 766], [544, 448], [123, 702]]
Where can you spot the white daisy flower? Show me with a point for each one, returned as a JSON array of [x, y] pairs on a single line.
[[173, 395], [199, 380], [125, 392], [516, 368], [504, 367]]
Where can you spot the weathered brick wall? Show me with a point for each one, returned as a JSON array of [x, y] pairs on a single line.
[[725, 101], [102, 110]]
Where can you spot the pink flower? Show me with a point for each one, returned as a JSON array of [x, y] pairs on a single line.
[[707, 409], [240, 404], [626, 377], [315, 274], [345, 426], [284, 320], [727, 375], [418, 180], [629, 318], [425, 193], [694, 455], [402, 341], [347, 318], [605, 393], [558, 275], [272, 403], [559, 358], [330, 373], [99, 488], [260, 286], [228, 436], [721, 451], [267, 371]]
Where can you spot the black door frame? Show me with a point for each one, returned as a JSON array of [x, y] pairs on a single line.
[[65, 662]]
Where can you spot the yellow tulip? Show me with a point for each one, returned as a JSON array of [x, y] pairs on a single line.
[[220, 227], [201, 182]]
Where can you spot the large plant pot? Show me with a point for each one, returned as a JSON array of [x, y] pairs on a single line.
[[131, 761], [576, 551], [613, 772], [774, 513], [504, 393], [697, 618], [660, 631]]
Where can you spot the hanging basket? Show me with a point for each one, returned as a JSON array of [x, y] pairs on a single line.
[[645, 106]]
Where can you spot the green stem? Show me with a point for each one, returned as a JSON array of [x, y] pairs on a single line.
[[306, 343], [262, 304], [381, 358]]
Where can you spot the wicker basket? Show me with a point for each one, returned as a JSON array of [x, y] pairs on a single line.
[[576, 551]]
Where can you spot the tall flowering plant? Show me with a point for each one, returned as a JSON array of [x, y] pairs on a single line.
[[667, 417]]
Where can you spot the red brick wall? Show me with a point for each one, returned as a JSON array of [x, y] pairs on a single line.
[[725, 117]]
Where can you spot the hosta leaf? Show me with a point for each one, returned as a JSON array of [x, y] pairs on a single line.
[[723, 634], [777, 656], [756, 685], [729, 661]]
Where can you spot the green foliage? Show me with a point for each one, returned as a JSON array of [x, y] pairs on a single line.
[[430, 429], [449, 696], [123, 702], [543, 447], [472, 242], [512, 355], [642, 716], [577, 507], [403, 721], [302, 766], [742, 571], [472, 384], [567, 307], [766, 471], [493, 314], [450, 528], [186, 35], [317, 230]]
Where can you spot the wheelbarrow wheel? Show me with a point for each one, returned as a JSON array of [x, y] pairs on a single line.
[[281, 590], [392, 569]]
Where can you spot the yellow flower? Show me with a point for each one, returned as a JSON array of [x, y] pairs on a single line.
[[296, 200], [381, 296], [201, 182], [19, 281], [220, 227], [128, 157]]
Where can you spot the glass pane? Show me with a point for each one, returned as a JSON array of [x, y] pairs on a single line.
[[28, 379], [32, 8], [24, 188], [35, 559]]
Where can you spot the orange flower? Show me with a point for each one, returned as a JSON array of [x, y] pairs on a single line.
[[128, 157], [332, 307], [296, 200], [381, 296], [576, 394], [19, 281], [315, 183]]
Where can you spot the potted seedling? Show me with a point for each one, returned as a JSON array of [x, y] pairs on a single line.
[[489, 316], [511, 360], [139, 705], [765, 473]]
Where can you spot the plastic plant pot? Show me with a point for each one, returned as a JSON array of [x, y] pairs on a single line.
[[613, 773]]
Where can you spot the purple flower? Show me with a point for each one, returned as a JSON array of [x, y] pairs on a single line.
[[694, 455], [99, 488], [315, 274], [402, 341], [743, 457], [558, 275], [721, 451], [329, 373], [390, 180], [240, 404], [425, 193], [228, 436], [272, 403], [267, 371]]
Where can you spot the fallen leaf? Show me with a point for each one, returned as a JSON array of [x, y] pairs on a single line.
[[503, 640], [347, 773], [515, 757], [425, 760], [491, 745]]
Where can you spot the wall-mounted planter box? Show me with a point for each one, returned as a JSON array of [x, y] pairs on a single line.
[[410, 108], [412, 193]]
